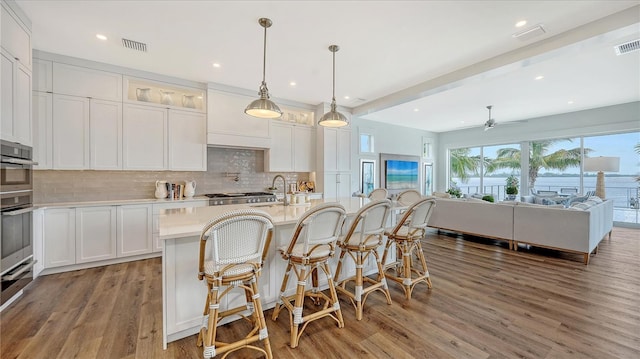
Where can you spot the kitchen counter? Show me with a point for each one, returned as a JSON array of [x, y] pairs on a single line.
[[189, 222], [116, 202], [184, 295]]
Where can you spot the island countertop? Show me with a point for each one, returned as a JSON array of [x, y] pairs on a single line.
[[186, 222]]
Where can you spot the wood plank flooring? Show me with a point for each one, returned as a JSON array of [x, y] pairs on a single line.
[[486, 302]]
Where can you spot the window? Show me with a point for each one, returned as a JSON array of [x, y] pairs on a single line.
[[623, 186], [366, 143]]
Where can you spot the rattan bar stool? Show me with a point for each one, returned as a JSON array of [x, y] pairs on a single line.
[[378, 194], [409, 197], [406, 236], [312, 244], [361, 241], [233, 247]]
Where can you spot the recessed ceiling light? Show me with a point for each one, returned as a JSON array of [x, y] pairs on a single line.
[[216, 65], [521, 23], [347, 97], [540, 77], [570, 102], [462, 122], [101, 37], [292, 83], [416, 109]]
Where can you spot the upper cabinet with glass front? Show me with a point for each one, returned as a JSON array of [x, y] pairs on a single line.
[[165, 95], [296, 116]]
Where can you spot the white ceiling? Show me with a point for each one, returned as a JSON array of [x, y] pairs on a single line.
[[448, 59]]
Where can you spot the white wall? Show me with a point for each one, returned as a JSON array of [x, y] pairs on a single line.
[[390, 139], [598, 121]]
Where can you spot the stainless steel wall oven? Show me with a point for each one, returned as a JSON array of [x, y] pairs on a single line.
[[16, 167], [16, 214]]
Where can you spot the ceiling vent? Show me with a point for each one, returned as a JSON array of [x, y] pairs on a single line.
[[529, 33], [134, 45], [627, 47]]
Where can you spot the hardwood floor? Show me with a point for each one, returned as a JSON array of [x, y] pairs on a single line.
[[486, 302]]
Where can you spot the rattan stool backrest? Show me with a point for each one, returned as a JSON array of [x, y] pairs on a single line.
[[378, 194], [318, 226], [370, 220], [235, 237]]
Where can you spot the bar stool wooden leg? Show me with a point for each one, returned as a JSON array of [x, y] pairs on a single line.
[[334, 295], [283, 288], [423, 261], [259, 315], [210, 331], [298, 305], [382, 278], [359, 285]]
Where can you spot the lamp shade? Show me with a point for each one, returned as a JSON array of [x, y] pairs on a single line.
[[263, 108], [602, 164], [333, 118]]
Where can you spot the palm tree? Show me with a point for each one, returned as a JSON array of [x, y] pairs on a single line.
[[463, 165], [538, 158]]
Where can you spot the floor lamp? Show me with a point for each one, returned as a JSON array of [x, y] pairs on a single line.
[[601, 165]]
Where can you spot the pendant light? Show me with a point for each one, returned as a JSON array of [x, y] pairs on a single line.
[[333, 118], [263, 107]]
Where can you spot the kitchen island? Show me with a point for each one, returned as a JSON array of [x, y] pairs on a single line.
[[184, 295]]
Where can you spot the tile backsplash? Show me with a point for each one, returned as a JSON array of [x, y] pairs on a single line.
[[228, 170]]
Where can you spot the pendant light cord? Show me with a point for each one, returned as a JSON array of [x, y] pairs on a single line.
[[264, 55], [334, 76]]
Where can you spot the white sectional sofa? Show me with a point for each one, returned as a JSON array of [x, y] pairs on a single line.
[[568, 229], [474, 216], [565, 229]]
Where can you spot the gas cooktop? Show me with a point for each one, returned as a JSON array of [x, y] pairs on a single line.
[[216, 199]]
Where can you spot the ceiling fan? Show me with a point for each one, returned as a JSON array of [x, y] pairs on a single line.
[[491, 123]]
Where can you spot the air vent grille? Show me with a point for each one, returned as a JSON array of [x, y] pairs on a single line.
[[134, 45], [628, 47]]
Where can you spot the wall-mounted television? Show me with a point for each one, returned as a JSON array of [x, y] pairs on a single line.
[[401, 174]]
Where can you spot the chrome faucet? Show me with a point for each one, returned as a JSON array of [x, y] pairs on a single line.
[[284, 187]]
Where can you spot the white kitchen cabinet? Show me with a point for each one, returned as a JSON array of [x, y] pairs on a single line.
[[304, 149], [337, 149], [42, 75], [337, 185], [59, 237], [43, 130], [144, 137], [70, 132], [86, 133], [134, 234], [156, 138], [95, 233], [105, 139], [81, 81], [279, 158], [16, 36], [187, 141], [16, 100], [228, 125], [292, 148]]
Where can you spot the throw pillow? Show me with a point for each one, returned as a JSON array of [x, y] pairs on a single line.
[[548, 202], [596, 199], [582, 206]]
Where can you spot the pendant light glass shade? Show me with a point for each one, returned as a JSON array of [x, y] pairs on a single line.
[[333, 118], [263, 107]]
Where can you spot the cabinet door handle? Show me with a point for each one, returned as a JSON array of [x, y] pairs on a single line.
[[18, 273], [19, 211]]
